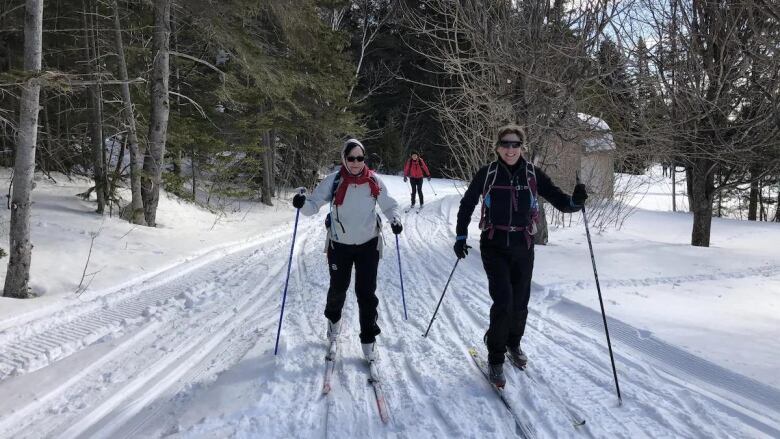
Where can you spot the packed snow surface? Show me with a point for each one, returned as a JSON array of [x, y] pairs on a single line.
[[174, 334]]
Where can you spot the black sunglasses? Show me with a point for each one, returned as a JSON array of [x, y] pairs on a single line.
[[510, 144], [358, 158]]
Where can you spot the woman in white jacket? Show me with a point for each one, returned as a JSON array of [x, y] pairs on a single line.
[[353, 237]]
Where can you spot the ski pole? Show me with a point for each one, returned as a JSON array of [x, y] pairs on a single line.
[[398, 252], [431, 185], [601, 302], [441, 298], [287, 281]]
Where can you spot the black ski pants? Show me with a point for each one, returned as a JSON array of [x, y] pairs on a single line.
[[509, 269], [416, 189], [365, 258]]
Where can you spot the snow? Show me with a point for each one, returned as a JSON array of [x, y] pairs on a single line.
[[602, 139], [123, 254], [174, 336]]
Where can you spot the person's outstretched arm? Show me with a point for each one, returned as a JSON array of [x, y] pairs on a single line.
[[319, 197], [554, 194]]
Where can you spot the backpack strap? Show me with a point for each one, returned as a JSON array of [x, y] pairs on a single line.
[[492, 169], [335, 186], [531, 186], [329, 216], [530, 176]]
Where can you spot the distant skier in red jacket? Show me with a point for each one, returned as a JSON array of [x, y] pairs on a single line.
[[414, 170]]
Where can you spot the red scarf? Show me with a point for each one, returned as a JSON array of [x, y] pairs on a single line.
[[347, 179]]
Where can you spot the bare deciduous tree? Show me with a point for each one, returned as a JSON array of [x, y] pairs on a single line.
[[136, 154], [96, 106], [717, 64], [158, 120], [18, 275], [504, 61]]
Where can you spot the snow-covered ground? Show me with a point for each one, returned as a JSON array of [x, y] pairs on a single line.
[[175, 335]]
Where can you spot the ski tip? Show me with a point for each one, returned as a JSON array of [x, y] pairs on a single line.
[[326, 389]]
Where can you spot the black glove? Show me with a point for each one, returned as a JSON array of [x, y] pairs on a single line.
[[461, 249], [404, 179], [429, 178], [299, 200], [579, 195], [397, 227]]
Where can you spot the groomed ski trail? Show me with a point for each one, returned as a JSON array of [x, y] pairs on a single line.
[[429, 387], [198, 360]]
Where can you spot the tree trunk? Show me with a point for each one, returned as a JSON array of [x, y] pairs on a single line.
[[777, 207], [192, 167], [96, 132], [720, 196], [18, 275], [158, 119], [176, 162], [117, 172], [136, 155], [688, 186], [761, 208], [753, 198], [269, 158], [96, 118], [673, 169], [702, 187], [542, 235]]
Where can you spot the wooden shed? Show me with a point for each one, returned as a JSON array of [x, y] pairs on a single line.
[[586, 146]]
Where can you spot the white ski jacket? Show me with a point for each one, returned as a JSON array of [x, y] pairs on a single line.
[[356, 221]]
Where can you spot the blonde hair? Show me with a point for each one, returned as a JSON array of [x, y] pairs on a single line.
[[510, 128]]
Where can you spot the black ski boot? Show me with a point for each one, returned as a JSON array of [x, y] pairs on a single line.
[[517, 356], [496, 375]]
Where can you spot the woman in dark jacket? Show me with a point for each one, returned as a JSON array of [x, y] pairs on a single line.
[[509, 188]]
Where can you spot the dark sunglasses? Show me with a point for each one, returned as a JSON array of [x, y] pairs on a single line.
[[358, 158], [510, 144]]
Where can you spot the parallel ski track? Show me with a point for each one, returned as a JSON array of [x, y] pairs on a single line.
[[219, 302], [23, 350], [428, 384], [562, 353]]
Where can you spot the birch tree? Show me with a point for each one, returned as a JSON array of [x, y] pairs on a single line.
[[158, 119], [136, 155], [18, 276]]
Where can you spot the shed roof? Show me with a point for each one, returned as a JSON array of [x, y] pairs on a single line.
[[601, 138]]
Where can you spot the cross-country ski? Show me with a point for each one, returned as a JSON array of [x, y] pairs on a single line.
[[524, 428], [575, 418]]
